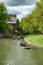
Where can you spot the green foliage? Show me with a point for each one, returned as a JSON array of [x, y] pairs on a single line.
[[11, 29], [17, 21], [3, 18], [33, 23]]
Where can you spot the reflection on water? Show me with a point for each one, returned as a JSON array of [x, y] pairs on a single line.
[[12, 54]]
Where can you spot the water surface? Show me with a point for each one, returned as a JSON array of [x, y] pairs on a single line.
[[12, 54]]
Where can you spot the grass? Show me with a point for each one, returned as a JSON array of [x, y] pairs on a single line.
[[36, 39]]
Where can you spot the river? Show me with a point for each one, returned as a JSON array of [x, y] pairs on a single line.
[[12, 54], [19, 7]]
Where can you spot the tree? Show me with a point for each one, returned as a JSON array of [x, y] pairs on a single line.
[[3, 18], [33, 23], [17, 21]]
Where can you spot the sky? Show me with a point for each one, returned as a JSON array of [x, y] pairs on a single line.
[[19, 7], [20, 11]]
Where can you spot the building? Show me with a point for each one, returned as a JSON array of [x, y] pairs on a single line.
[[12, 21]]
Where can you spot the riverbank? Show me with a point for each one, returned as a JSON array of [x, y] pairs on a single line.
[[6, 35], [35, 40]]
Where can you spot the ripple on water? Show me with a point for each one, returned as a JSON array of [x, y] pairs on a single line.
[[15, 55]]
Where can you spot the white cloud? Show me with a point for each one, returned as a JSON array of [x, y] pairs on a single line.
[[20, 11], [38, 0]]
